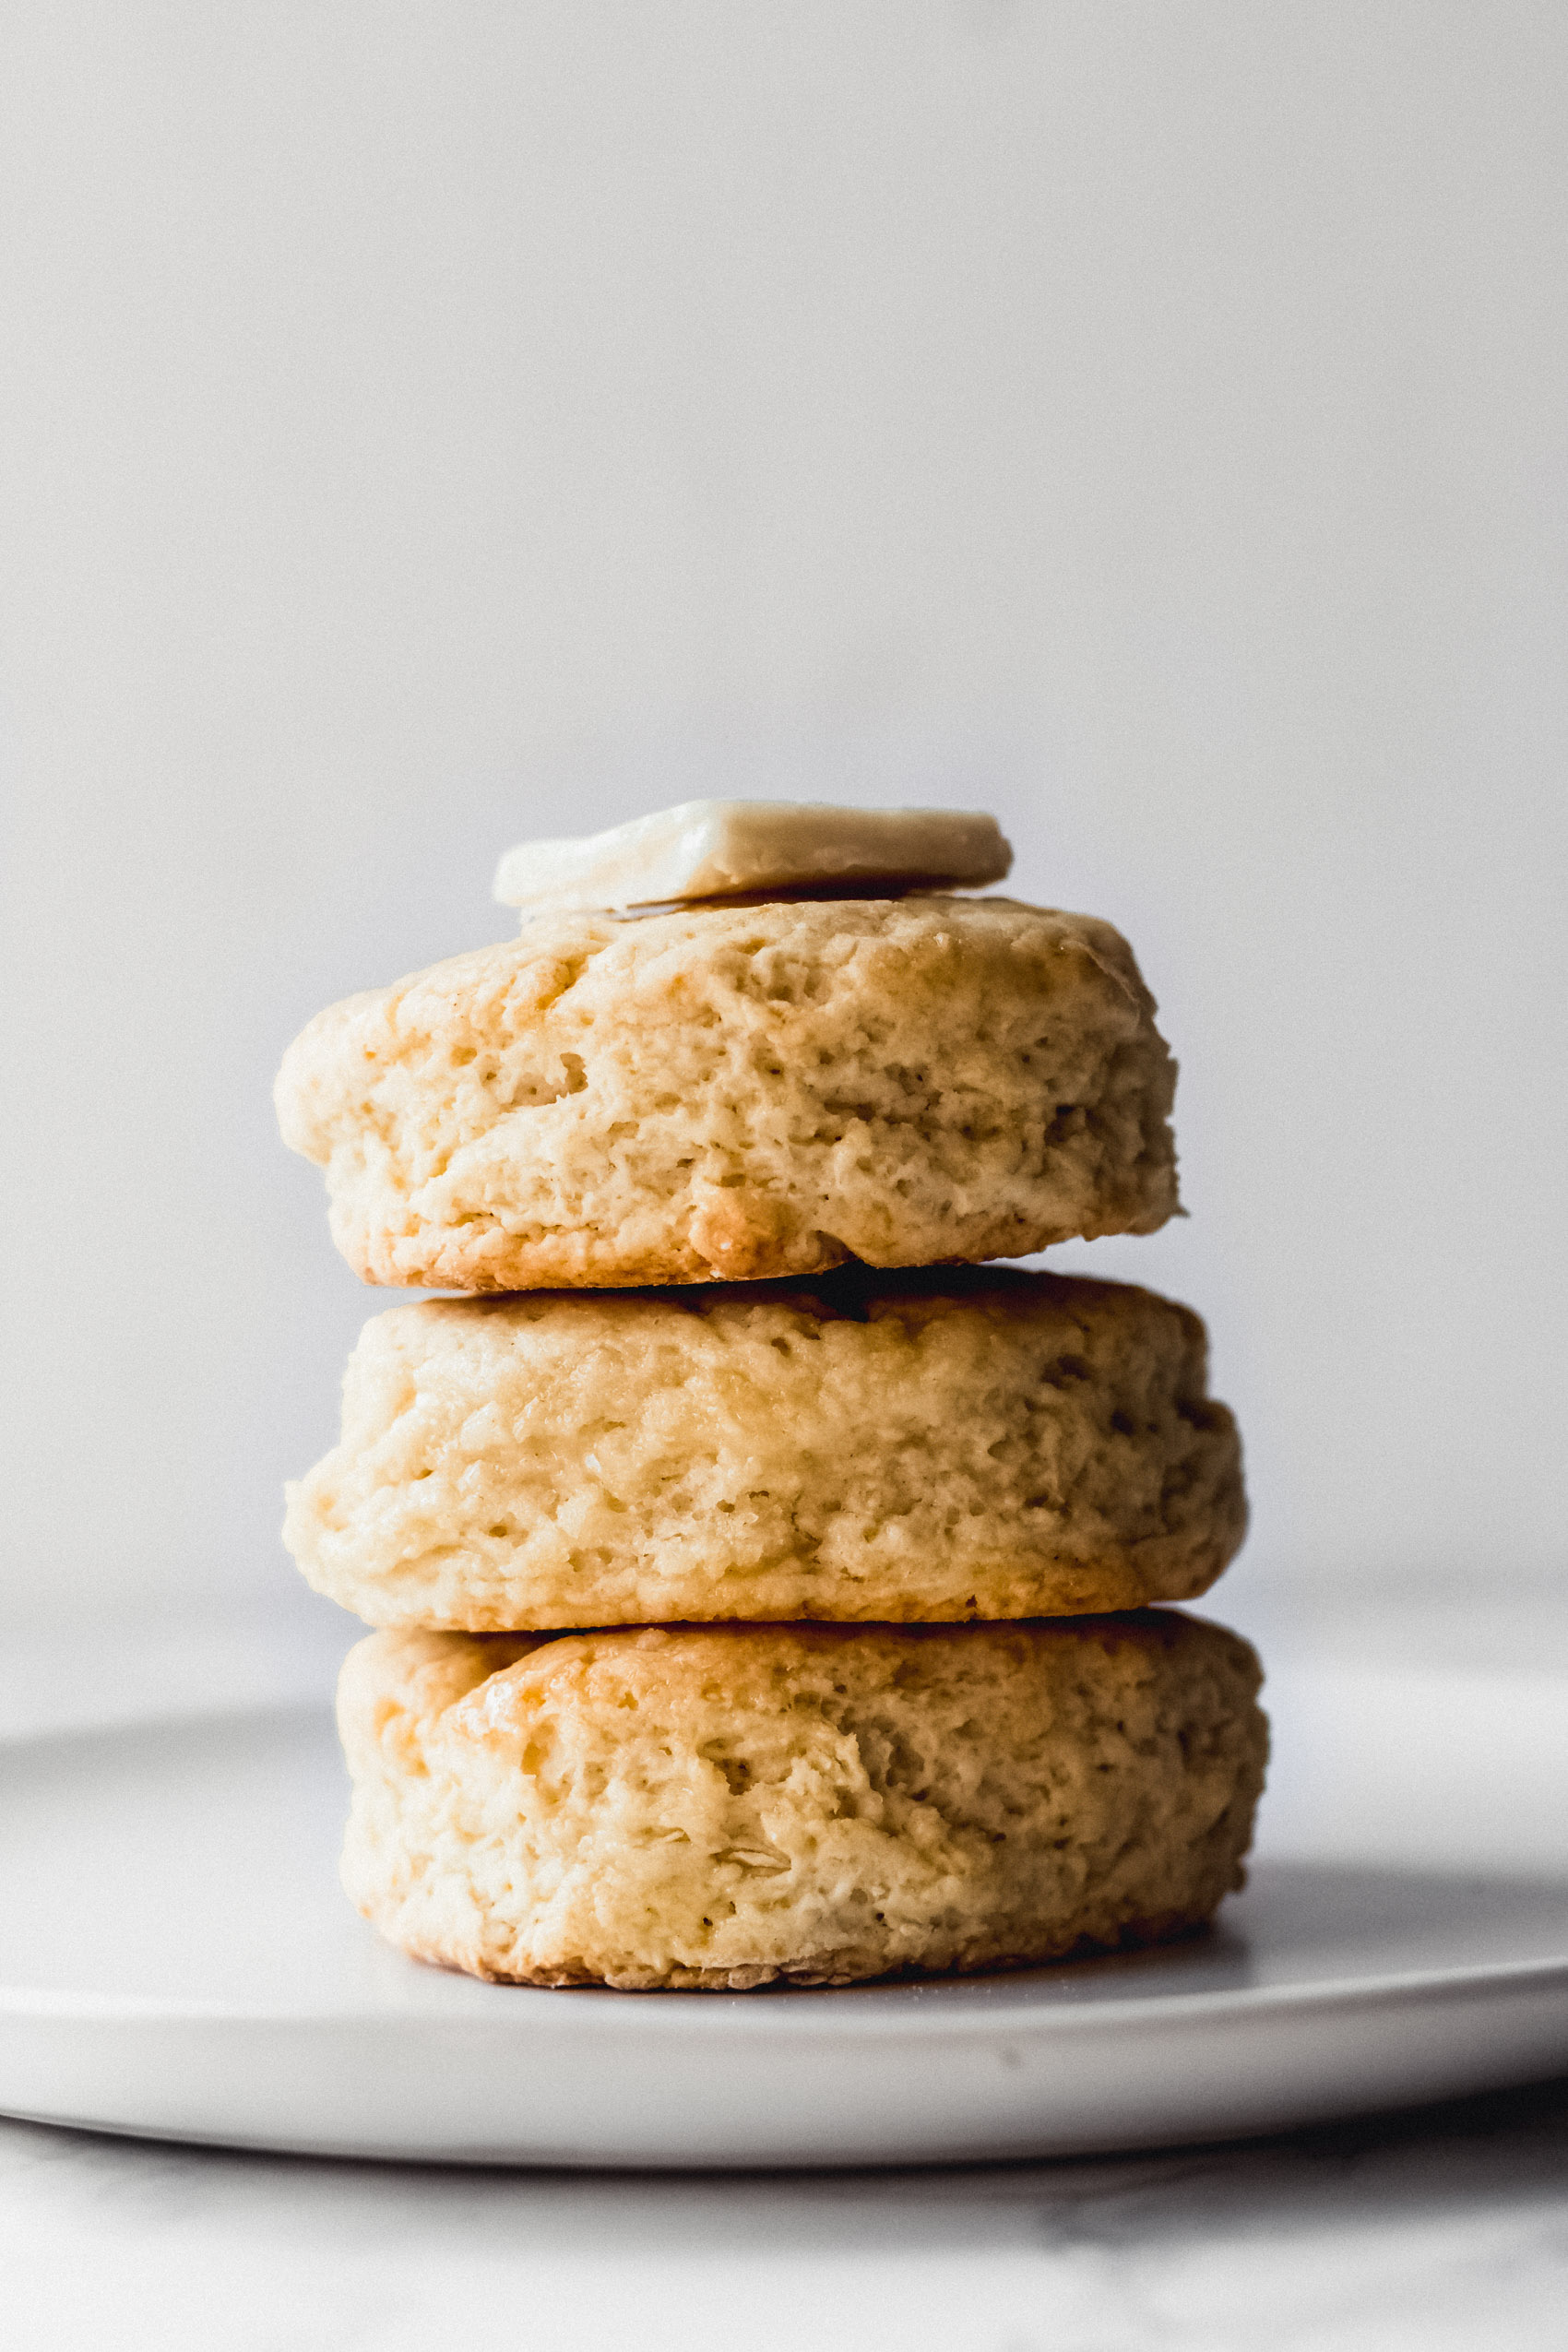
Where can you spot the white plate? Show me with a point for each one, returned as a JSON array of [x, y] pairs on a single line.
[[176, 1959]]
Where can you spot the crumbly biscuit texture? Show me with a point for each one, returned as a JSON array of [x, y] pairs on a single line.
[[722, 1807], [943, 1445], [739, 1093]]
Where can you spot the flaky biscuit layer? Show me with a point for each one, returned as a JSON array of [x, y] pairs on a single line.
[[722, 1807], [740, 1092], [939, 1445]]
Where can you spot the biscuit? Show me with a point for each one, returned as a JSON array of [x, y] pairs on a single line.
[[740, 1092], [721, 1806], [943, 1446]]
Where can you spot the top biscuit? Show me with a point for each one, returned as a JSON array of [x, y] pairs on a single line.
[[730, 1093]]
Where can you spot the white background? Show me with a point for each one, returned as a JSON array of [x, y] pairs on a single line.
[[424, 426]]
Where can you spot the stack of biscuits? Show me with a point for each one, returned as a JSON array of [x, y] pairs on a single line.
[[764, 1579]]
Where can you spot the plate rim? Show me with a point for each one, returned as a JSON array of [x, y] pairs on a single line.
[[1482, 1980]]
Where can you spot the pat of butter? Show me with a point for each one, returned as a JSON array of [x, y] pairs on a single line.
[[725, 848]]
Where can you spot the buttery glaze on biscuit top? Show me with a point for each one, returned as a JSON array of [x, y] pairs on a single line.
[[737, 1093]]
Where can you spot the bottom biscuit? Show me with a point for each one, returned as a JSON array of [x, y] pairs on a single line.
[[722, 1806]]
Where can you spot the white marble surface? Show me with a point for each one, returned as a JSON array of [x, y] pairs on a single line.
[[1446, 2229], [1447, 2236]]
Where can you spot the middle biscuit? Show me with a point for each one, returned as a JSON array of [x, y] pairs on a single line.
[[898, 1447]]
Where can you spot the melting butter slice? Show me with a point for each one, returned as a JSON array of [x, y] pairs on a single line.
[[722, 849]]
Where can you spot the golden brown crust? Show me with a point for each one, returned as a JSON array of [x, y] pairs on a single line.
[[729, 1806], [941, 1445], [736, 1093]]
